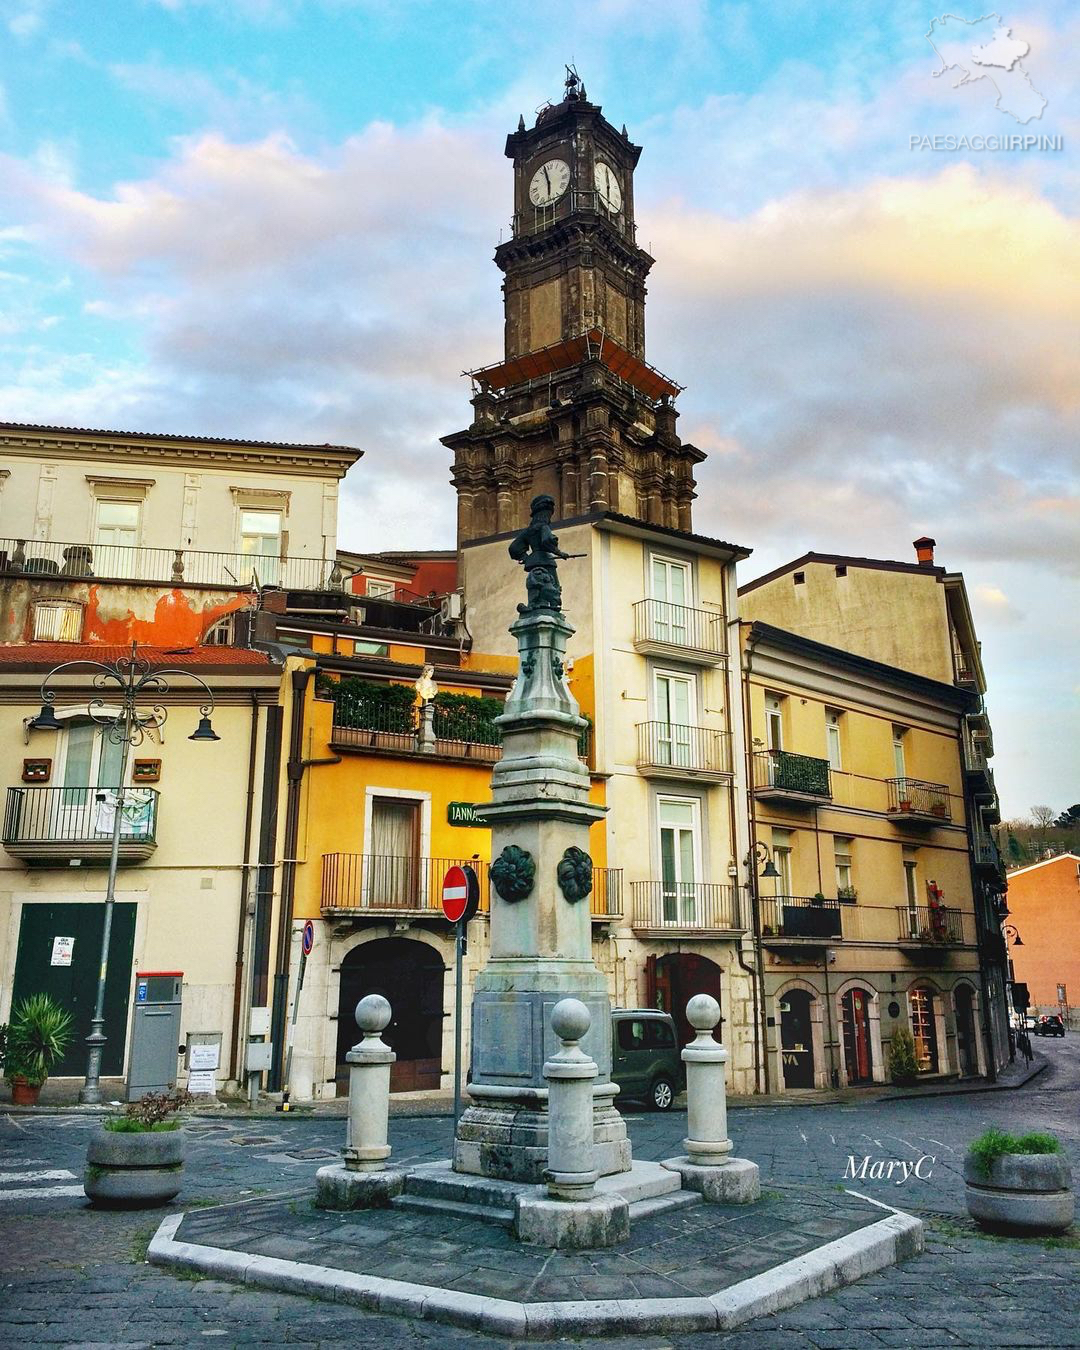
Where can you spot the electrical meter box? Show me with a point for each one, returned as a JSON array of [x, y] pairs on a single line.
[[155, 1032]]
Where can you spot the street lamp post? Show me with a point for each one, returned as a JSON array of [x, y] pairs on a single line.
[[126, 680], [760, 853]]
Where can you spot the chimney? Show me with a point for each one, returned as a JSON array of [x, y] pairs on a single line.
[[924, 551]]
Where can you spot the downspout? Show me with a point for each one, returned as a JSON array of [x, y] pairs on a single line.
[[245, 874], [294, 771], [761, 1029], [979, 904]]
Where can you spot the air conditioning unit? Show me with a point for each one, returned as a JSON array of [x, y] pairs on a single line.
[[451, 607]]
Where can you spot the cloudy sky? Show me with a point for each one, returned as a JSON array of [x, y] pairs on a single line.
[[275, 218]]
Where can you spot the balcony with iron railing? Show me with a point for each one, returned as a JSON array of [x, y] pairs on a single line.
[[452, 734], [606, 896], [671, 750], [780, 775], [913, 801], [366, 883], [988, 859], [930, 926], [679, 907], [62, 825], [808, 921], [576, 201], [665, 629], [166, 566]]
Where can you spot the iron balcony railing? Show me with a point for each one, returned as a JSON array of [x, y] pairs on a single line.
[[577, 200], [934, 924], [780, 772], [670, 745], [914, 797], [671, 625], [455, 734], [168, 566], [606, 897], [78, 815], [699, 905], [390, 883], [800, 916], [976, 759]]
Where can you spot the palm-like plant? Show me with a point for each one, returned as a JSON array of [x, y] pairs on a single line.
[[39, 1033]]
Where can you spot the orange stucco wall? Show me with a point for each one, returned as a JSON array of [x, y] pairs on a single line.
[[1044, 906]]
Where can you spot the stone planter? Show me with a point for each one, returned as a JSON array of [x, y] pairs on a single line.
[[1027, 1192], [133, 1171]]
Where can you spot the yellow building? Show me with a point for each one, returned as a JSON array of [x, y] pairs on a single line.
[[913, 619]]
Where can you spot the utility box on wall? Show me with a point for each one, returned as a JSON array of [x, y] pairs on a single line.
[[155, 1032]]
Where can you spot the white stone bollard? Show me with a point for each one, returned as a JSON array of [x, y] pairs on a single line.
[[570, 1173], [707, 1142], [366, 1147], [708, 1167]]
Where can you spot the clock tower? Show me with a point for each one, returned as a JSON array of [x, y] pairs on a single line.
[[573, 409]]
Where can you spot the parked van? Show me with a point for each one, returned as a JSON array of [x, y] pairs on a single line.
[[645, 1058]]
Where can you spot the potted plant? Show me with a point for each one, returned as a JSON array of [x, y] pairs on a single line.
[[903, 1067], [846, 893], [39, 1034], [136, 1160], [1018, 1183]]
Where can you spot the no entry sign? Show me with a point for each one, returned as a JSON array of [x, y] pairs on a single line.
[[460, 894]]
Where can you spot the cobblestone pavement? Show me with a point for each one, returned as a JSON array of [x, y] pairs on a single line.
[[72, 1276]]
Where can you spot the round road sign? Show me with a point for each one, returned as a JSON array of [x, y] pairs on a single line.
[[307, 938], [460, 894]]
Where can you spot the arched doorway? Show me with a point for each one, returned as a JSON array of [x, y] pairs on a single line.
[[924, 1028], [672, 981], [797, 1038], [858, 1045], [966, 1045], [410, 975]]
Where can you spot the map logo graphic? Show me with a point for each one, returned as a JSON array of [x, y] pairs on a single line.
[[985, 49]]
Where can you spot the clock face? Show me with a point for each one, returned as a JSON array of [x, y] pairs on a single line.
[[549, 182], [607, 187]]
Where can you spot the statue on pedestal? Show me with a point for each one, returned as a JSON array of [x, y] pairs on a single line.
[[536, 547]]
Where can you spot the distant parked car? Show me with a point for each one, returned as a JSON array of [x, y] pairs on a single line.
[[645, 1059], [1051, 1025], [1030, 1022]]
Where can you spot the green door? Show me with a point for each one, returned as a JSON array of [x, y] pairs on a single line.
[[74, 986]]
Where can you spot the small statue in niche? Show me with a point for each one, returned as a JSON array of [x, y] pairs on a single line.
[[536, 548]]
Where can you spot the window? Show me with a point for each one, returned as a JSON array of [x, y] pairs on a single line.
[[57, 621], [631, 1035], [842, 854], [782, 859], [116, 537], [674, 703], [898, 734], [832, 737], [658, 1035], [774, 722], [680, 853], [222, 633], [393, 872], [671, 591], [799, 578], [260, 538], [911, 894], [378, 586]]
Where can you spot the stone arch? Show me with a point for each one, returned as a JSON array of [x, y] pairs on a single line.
[[873, 1029], [814, 1010], [411, 973]]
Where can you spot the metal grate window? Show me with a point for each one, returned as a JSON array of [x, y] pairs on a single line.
[[57, 621]]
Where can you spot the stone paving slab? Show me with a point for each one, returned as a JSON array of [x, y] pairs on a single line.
[[705, 1267]]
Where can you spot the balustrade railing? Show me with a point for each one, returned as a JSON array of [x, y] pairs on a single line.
[[389, 883]]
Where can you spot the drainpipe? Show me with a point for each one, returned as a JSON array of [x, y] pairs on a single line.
[[761, 1027], [294, 771], [245, 874], [979, 904]]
